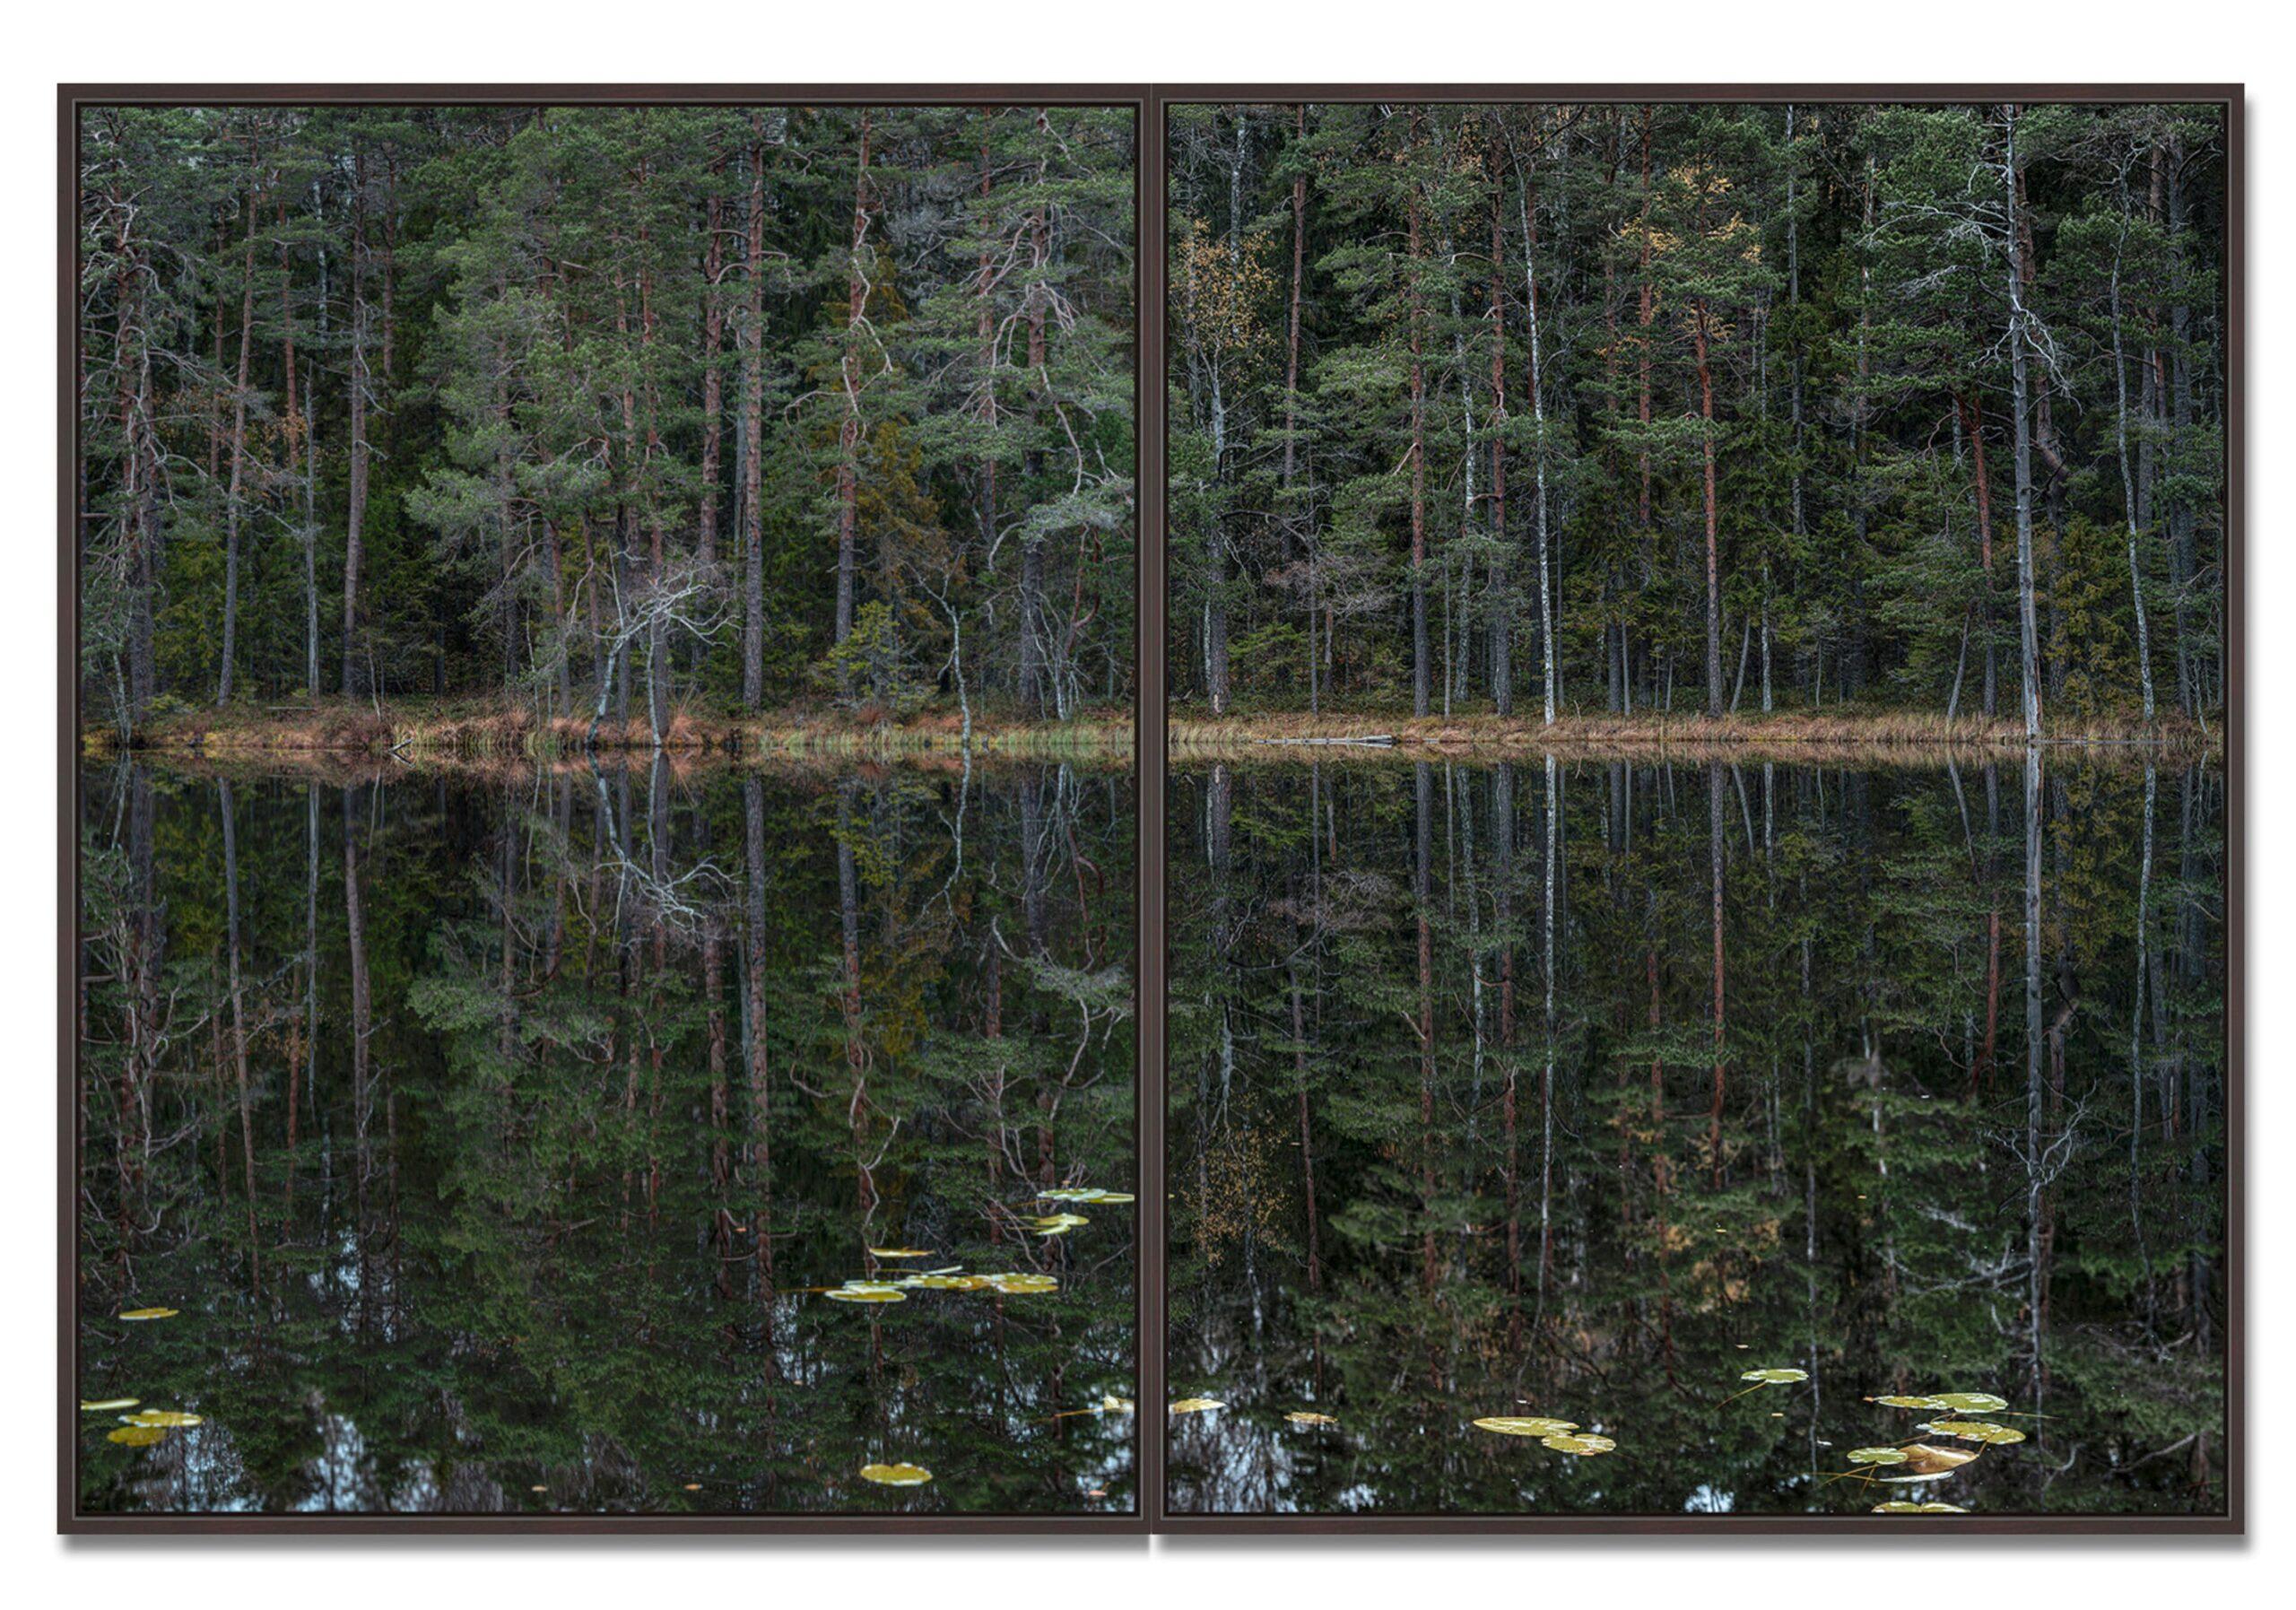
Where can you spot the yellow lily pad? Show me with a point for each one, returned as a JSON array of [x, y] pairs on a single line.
[[168, 1418], [1877, 1456], [93, 1405], [1525, 1425], [1113, 1404], [1197, 1405], [1015, 1284], [1564, 1442], [946, 1282], [868, 1293], [1060, 1224], [136, 1316], [1309, 1417], [1898, 1506], [1978, 1430], [1925, 1462], [1775, 1378], [896, 1475], [137, 1436], [899, 1252], [1971, 1403], [1908, 1403]]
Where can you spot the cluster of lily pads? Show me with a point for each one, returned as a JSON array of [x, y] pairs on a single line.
[[1918, 1458], [1562, 1436], [1008, 1283], [1203, 1405], [953, 1278], [1924, 1460], [145, 1426]]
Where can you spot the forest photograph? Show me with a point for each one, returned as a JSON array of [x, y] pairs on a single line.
[[1698, 852], [604, 943]]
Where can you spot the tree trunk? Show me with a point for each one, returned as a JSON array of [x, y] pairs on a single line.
[[231, 506], [1713, 551], [753, 442], [848, 429], [2029, 649], [1502, 669], [356, 517], [1419, 661]]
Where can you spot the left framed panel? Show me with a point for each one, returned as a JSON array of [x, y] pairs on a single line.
[[599, 809]]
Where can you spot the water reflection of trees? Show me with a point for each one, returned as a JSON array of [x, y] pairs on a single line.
[[1579, 1089], [494, 1139]]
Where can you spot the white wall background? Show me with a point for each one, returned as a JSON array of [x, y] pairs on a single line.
[[1093, 40]]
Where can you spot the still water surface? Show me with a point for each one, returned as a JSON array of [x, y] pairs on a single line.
[[1696, 1107], [563, 1141]]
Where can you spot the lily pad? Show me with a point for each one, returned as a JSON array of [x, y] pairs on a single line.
[[1775, 1378], [1898, 1506], [1015, 1285], [1971, 1403], [1901, 1402], [1925, 1462], [1309, 1417], [137, 1436], [1877, 1456], [136, 1316], [896, 1475], [1060, 1224], [1978, 1430], [1197, 1405], [946, 1282], [1564, 1442], [92, 1405], [169, 1418], [868, 1293], [1113, 1404], [899, 1252], [1525, 1425]]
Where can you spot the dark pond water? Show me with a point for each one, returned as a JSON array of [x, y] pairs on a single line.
[[1578, 1092], [487, 1146]]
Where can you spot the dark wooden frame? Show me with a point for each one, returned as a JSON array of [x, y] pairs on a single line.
[[2233, 1522], [70, 98]]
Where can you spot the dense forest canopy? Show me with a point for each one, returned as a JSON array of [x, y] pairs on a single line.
[[607, 412], [1604, 407]]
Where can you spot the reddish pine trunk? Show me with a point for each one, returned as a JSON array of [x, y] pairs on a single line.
[[356, 517], [231, 508], [753, 444], [1713, 548], [1419, 662], [848, 431], [713, 383]]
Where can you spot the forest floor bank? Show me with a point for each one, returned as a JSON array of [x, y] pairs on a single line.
[[469, 731], [1800, 736]]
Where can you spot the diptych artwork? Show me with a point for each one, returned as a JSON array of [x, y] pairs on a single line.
[[1202, 810]]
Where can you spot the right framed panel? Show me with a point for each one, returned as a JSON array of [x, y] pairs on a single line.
[[1701, 896]]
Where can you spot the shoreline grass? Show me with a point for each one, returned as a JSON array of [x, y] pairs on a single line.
[[480, 732], [1802, 736]]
